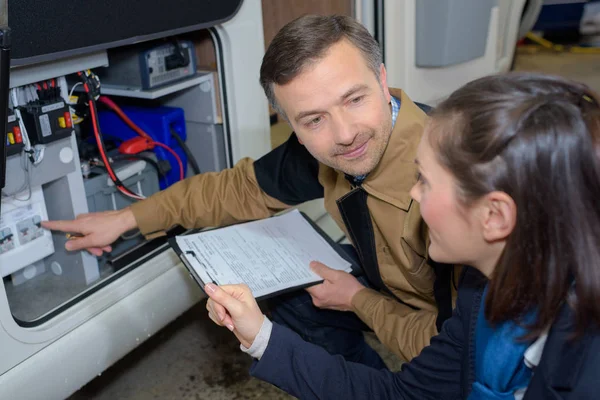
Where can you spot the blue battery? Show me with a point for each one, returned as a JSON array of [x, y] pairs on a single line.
[[156, 122]]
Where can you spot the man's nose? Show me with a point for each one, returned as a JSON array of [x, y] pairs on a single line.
[[344, 133]]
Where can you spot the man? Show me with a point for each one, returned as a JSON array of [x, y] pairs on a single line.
[[354, 144]]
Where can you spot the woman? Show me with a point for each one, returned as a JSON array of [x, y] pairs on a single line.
[[509, 183]]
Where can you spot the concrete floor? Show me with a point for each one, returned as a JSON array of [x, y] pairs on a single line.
[[190, 359], [193, 359]]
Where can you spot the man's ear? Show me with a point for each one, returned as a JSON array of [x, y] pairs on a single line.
[[499, 216], [384, 84]]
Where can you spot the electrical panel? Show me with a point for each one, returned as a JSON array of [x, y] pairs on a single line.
[[22, 239]]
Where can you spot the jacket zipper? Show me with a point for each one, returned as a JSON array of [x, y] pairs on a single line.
[[472, 337]]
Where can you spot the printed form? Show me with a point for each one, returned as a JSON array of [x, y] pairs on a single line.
[[268, 255]]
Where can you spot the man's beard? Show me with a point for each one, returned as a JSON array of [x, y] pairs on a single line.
[[366, 162]]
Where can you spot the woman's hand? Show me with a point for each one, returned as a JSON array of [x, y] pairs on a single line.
[[234, 306]]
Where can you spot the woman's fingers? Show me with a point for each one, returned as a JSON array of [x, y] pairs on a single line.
[[218, 314]]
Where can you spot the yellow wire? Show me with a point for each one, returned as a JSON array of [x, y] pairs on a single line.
[[585, 50], [544, 43]]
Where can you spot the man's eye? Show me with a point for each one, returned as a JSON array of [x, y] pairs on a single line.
[[315, 121], [357, 100]]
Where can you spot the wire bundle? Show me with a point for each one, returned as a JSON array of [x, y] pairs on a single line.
[[91, 86]]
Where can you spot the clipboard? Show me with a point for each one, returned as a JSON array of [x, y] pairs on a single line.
[[186, 255]]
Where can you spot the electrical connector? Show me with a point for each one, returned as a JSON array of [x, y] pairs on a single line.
[[164, 167], [136, 145]]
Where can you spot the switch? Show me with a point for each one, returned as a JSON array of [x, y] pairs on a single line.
[[68, 121], [18, 136], [61, 122], [11, 137]]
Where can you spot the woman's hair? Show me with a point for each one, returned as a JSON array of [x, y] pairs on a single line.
[[536, 138]]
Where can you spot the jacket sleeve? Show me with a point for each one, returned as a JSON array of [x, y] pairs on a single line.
[[248, 191], [404, 331], [309, 372]]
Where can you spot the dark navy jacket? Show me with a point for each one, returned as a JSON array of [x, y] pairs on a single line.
[[444, 370]]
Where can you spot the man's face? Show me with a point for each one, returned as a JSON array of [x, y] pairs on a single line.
[[339, 110]]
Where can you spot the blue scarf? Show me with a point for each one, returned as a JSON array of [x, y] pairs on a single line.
[[500, 369]]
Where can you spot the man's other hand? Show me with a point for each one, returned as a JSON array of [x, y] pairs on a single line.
[[337, 290]]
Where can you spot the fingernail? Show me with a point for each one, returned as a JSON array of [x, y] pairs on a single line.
[[230, 327], [313, 264], [68, 245], [210, 287]]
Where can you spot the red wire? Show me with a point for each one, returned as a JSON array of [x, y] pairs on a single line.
[[129, 193], [98, 141], [125, 118], [109, 169], [112, 105]]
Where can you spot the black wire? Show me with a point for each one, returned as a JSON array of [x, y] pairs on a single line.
[[103, 167], [187, 151], [149, 160], [179, 52]]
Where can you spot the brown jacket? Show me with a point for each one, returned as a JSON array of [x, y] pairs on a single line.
[[234, 195]]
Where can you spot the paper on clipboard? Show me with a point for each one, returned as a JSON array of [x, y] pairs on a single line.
[[269, 255]]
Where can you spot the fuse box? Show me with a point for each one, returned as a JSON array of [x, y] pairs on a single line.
[[47, 122]]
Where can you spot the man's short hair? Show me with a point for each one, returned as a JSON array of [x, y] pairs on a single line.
[[304, 41]]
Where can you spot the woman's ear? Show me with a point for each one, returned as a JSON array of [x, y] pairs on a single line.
[[499, 216]]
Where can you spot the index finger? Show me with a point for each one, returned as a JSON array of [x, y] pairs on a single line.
[[65, 226]]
